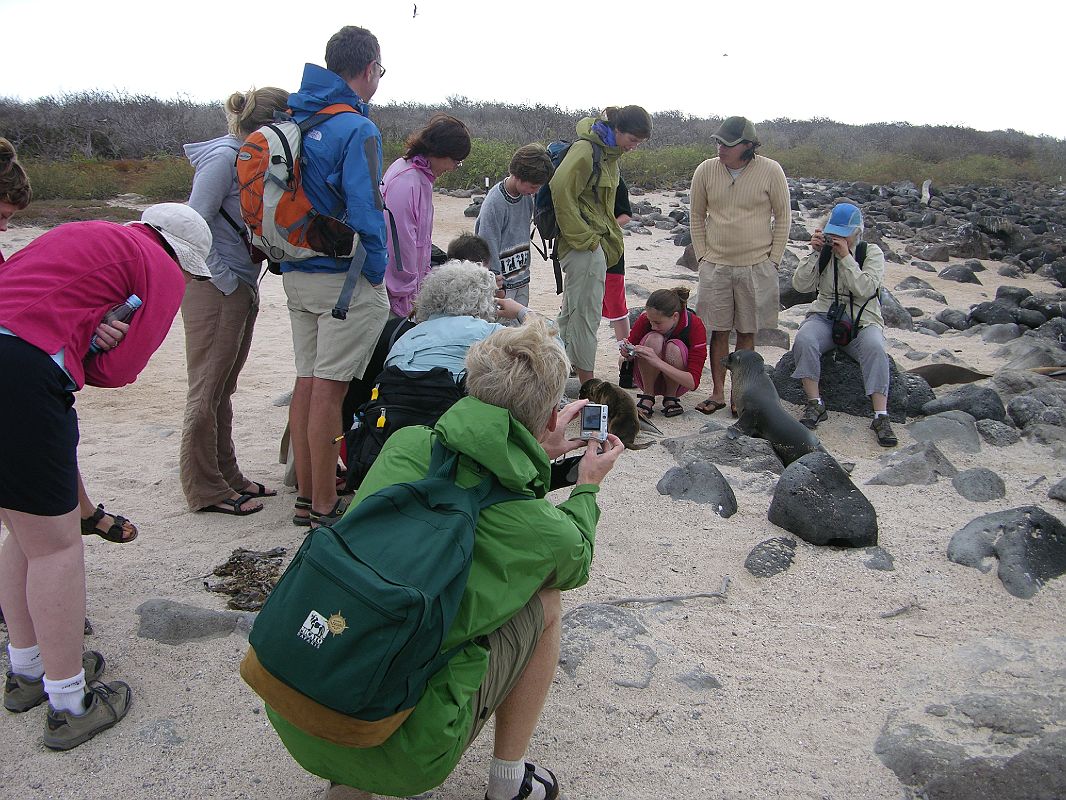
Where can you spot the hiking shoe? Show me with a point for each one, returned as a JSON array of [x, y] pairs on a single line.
[[813, 413], [107, 704], [625, 375], [883, 428], [22, 693]]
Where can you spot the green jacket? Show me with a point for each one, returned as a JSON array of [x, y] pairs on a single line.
[[521, 546], [585, 210]]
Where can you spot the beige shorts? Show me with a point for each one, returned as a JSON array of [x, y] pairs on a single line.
[[510, 648], [742, 299], [329, 348]]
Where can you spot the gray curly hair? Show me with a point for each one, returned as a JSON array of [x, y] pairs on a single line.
[[457, 289]]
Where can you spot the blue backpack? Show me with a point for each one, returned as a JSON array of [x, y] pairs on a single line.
[[544, 221]]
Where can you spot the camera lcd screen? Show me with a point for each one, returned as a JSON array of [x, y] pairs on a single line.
[[590, 418]]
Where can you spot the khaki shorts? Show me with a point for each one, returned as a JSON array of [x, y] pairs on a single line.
[[744, 299], [329, 348], [510, 648]]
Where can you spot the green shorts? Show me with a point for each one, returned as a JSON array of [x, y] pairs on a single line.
[[510, 648]]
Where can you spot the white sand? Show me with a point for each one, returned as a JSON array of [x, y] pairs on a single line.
[[809, 670]]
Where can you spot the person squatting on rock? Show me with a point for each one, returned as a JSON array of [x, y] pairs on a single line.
[[219, 316], [526, 552], [668, 343], [740, 220], [589, 236], [407, 190], [842, 283], [504, 218], [54, 294], [342, 161]]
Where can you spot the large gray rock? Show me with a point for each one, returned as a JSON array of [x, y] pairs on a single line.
[[842, 389], [771, 557], [700, 482], [980, 402], [1058, 491], [979, 484], [894, 314], [171, 622], [724, 448], [920, 463], [816, 500], [1028, 542], [951, 429], [1001, 333], [997, 434]]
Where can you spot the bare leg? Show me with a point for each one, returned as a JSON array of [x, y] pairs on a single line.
[[719, 350], [585, 375], [810, 388], [518, 714], [649, 373], [42, 587], [879, 402], [323, 426], [298, 410], [672, 356]]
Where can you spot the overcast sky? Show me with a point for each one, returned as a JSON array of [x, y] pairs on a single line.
[[978, 64]]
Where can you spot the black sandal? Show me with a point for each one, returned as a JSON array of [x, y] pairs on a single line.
[[318, 519], [302, 504], [551, 784], [672, 407], [233, 506], [649, 409], [115, 533]]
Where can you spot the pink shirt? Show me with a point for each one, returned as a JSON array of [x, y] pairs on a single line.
[[408, 194], [56, 290]]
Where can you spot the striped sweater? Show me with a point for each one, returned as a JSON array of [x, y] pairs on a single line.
[[743, 221]]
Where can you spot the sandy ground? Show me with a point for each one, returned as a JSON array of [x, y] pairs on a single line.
[[808, 669]]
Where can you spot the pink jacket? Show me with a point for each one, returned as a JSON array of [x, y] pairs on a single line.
[[407, 189], [55, 291]]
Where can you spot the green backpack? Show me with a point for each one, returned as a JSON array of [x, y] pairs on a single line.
[[347, 640]]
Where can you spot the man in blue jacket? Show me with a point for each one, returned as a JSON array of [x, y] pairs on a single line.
[[341, 176]]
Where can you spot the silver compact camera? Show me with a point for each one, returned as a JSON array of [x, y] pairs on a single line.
[[628, 349], [594, 422]]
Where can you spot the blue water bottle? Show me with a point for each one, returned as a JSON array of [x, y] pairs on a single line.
[[120, 313]]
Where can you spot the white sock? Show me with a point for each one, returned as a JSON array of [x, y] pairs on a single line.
[[880, 414], [26, 661], [67, 694], [505, 779]]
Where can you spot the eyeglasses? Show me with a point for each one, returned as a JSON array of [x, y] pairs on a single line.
[[381, 69]]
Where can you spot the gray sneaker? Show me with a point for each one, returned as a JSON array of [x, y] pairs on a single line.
[[22, 693], [107, 704], [813, 413], [883, 428]]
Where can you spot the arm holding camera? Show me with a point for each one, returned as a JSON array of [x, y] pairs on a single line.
[[862, 281]]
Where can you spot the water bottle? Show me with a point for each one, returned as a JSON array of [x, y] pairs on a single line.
[[120, 313]]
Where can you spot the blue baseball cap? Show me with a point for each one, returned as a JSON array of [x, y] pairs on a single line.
[[844, 221]]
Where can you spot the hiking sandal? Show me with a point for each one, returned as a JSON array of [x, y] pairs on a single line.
[[550, 784], [115, 533], [672, 407], [302, 504], [318, 519], [646, 404]]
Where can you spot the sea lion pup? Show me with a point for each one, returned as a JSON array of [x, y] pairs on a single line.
[[760, 411], [622, 418]]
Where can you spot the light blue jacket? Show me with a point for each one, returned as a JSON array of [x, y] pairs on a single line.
[[439, 342]]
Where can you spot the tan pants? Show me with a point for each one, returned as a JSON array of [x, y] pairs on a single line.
[[218, 335]]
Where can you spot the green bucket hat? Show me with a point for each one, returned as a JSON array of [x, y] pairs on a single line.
[[735, 130]]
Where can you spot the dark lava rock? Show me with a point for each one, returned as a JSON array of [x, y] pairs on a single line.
[[1058, 491], [688, 259], [997, 434], [1029, 543], [894, 314], [1012, 296], [980, 402], [991, 313], [842, 389], [959, 274], [953, 318], [816, 500], [923, 266], [1029, 318], [979, 484], [935, 326], [700, 482], [955, 429], [920, 463], [911, 282], [1001, 334], [771, 557]]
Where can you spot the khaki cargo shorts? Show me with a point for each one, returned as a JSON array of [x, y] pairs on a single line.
[[510, 648], [744, 299]]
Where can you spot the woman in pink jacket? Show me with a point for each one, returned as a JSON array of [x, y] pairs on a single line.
[[407, 190], [54, 295]]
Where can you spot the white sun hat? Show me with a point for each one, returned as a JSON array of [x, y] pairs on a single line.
[[185, 231]]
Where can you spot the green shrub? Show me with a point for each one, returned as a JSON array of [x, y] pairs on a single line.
[[169, 179], [72, 180]]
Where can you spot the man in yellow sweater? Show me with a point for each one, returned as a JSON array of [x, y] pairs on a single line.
[[740, 220]]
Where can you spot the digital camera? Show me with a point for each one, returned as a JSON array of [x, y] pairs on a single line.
[[594, 422], [628, 350]]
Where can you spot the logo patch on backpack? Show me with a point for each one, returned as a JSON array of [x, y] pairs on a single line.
[[314, 629]]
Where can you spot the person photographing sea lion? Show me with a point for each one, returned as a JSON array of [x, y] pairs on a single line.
[[847, 274]]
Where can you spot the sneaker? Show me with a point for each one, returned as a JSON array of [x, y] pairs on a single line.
[[625, 375], [883, 428], [22, 693], [107, 704], [813, 413]]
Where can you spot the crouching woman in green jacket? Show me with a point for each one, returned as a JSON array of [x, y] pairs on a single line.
[[526, 552]]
